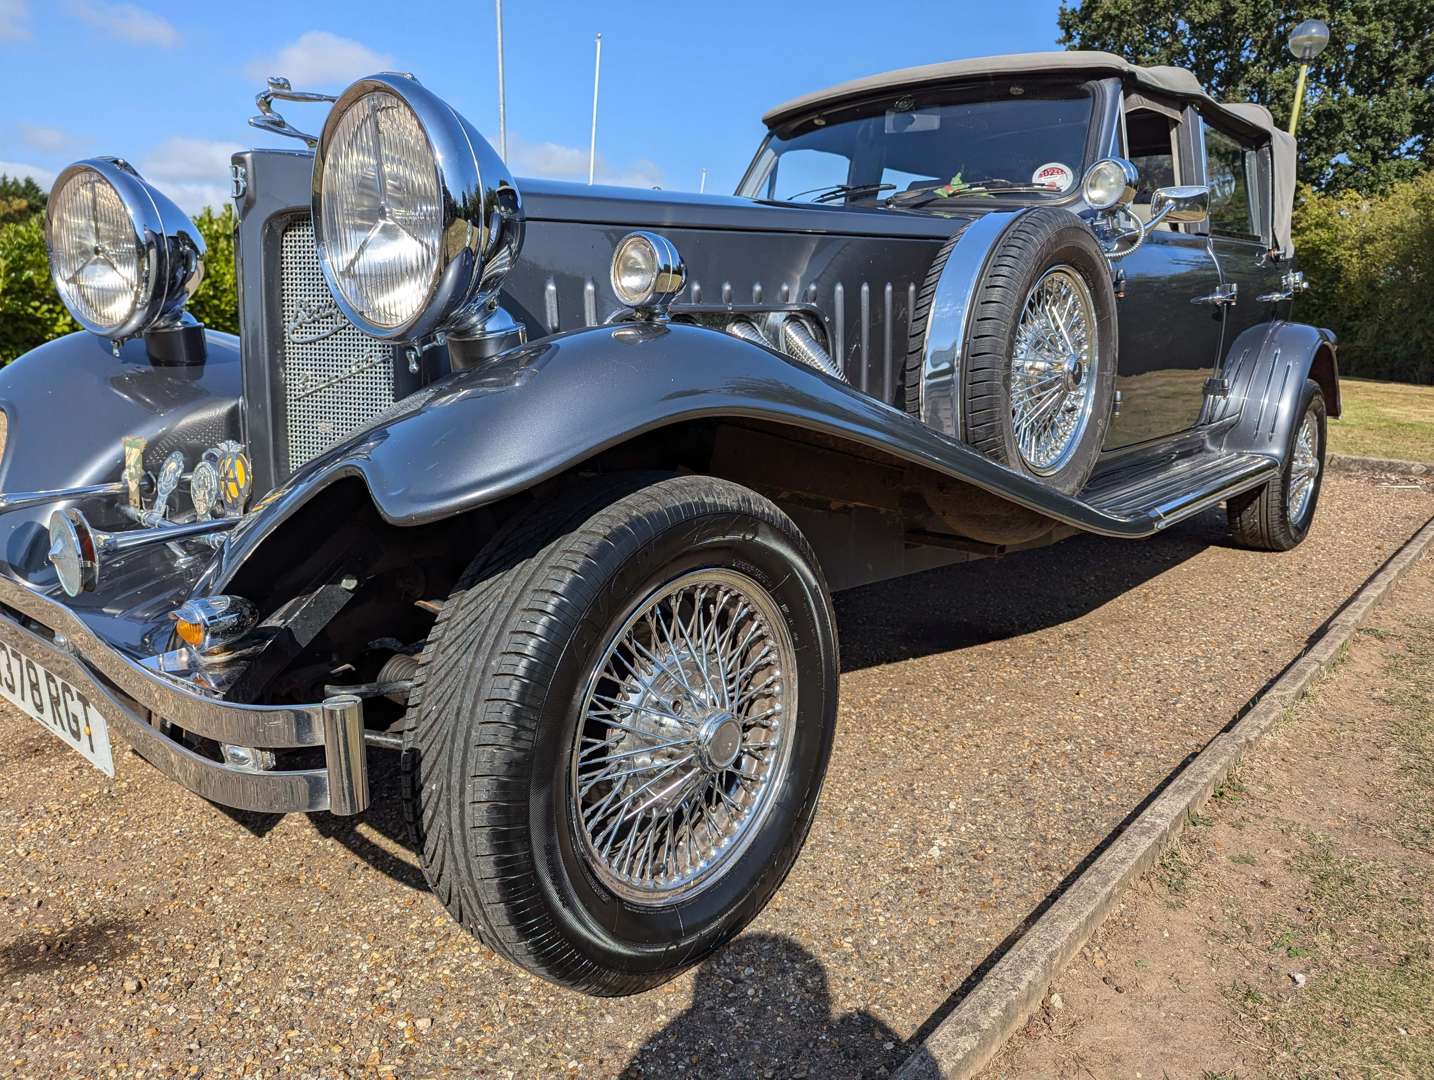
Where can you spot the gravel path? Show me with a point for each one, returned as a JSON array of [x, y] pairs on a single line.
[[998, 720]]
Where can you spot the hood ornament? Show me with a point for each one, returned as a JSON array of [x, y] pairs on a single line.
[[268, 120]]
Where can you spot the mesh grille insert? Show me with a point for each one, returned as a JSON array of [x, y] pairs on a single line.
[[335, 378]]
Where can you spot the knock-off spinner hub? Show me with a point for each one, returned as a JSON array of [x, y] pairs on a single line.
[[719, 741]]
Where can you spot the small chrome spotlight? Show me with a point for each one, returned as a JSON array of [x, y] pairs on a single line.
[[647, 272]]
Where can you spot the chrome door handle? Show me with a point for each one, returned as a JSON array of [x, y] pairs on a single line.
[[1291, 285], [1224, 296]]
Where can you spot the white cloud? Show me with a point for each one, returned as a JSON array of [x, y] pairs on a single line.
[[192, 172], [14, 20], [126, 21], [51, 140], [320, 60], [558, 162], [42, 176]]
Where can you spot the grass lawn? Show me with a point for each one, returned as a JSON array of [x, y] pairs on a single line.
[[1384, 420]]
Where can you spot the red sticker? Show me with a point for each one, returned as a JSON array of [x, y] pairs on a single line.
[[1054, 175]]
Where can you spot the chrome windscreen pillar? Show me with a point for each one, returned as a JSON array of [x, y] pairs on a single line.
[[345, 756]]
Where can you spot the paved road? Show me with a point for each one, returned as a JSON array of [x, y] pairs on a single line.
[[998, 720]]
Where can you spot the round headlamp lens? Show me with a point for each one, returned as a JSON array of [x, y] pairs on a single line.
[[634, 271], [96, 258], [382, 210]]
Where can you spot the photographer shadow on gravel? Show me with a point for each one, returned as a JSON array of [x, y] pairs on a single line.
[[762, 1007]]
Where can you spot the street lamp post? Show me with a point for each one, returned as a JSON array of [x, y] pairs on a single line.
[[1307, 40]]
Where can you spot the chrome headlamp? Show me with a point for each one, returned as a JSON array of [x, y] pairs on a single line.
[[1109, 183], [123, 257], [416, 218]]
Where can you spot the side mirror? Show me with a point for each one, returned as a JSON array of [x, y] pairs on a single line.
[[1188, 204]]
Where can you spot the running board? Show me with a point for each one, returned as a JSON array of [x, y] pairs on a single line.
[[1164, 492]]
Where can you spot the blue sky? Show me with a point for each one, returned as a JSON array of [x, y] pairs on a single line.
[[170, 85]]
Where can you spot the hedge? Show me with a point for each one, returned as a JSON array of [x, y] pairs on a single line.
[[1370, 265]]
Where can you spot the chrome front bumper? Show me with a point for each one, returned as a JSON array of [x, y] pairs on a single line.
[[127, 688]]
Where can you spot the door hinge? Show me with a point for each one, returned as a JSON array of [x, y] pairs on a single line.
[[1291, 285], [1226, 295], [1217, 387]]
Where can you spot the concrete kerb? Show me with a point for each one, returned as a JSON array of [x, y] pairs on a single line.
[[966, 1039]]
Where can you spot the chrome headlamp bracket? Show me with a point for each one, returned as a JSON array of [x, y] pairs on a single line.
[[482, 216]]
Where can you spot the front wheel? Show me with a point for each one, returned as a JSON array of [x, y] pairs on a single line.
[[1278, 515], [620, 728]]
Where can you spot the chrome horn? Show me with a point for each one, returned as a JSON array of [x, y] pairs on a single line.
[[77, 550]]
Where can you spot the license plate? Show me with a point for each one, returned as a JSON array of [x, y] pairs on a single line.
[[64, 710]]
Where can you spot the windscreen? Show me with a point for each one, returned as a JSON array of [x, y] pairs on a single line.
[[975, 142]]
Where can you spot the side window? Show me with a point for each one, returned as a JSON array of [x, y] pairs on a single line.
[[1228, 169], [1151, 148], [801, 171]]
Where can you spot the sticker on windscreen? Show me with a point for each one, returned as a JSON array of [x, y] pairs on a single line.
[[1055, 175]]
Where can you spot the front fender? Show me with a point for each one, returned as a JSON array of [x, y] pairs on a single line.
[[1266, 371], [476, 437], [69, 402]]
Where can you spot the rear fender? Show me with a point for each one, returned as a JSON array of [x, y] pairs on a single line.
[[1266, 369]]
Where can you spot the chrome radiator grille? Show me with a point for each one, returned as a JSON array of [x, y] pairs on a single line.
[[334, 379]]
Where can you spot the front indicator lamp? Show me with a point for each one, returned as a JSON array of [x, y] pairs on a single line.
[[210, 623]]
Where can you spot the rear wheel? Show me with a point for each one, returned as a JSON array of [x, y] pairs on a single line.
[[620, 728], [1278, 515]]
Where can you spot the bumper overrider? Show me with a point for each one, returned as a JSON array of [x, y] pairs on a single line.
[[128, 695]]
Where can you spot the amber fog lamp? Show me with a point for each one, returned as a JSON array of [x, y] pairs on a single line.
[[211, 623], [647, 272], [123, 257], [416, 218]]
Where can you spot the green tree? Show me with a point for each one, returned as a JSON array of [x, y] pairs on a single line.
[[19, 198], [216, 302], [1368, 119], [30, 309]]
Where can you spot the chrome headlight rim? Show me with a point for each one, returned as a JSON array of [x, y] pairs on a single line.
[[481, 214], [171, 249]]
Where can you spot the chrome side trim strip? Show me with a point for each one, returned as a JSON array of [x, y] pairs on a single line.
[[298, 791], [949, 319]]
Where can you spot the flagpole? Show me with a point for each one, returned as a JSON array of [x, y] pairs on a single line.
[[597, 75], [502, 98]]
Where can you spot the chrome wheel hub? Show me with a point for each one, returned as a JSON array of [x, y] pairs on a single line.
[[1304, 470], [1052, 389], [683, 737]]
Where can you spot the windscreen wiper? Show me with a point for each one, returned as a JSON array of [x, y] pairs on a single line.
[[841, 191], [990, 186]]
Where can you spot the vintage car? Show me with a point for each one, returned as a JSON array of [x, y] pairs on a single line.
[[539, 492]]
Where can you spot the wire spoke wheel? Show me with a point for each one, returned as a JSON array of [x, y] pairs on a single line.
[[1053, 369], [1304, 468], [683, 736]]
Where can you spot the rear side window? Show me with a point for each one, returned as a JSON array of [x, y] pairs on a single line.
[[1230, 170]]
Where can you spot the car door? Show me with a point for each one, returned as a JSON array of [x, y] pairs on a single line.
[[1170, 319], [1241, 229]]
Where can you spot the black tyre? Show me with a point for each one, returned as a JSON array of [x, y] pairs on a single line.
[[1277, 515], [620, 727], [1038, 371]]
